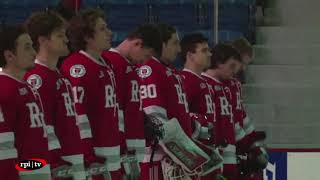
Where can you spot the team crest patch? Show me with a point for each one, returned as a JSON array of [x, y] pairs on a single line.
[[203, 85], [217, 88], [145, 71], [23, 91], [35, 81], [169, 72], [77, 71], [129, 69]]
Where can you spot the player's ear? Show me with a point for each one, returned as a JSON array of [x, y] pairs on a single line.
[[189, 55], [137, 42], [42, 40], [8, 55], [87, 39]]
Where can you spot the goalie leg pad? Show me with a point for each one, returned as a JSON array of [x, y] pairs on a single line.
[[172, 171], [151, 171]]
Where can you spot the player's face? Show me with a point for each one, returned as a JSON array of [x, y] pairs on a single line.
[[172, 48], [102, 35], [138, 53], [57, 43], [24, 56], [228, 69], [202, 55]]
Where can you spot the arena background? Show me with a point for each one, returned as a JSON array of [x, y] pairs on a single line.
[[282, 87]]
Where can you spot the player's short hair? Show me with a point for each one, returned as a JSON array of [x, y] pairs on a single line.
[[43, 23], [243, 46], [82, 26], [189, 43], [221, 53], [8, 40], [150, 36], [166, 31]]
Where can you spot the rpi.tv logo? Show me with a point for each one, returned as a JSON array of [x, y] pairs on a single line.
[[31, 164]]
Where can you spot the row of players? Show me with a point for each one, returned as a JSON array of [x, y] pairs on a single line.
[[93, 111]]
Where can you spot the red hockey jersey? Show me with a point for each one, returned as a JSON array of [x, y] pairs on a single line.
[[131, 114], [93, 84], [226, 133], [163, 96], [234, 96], [58, 104], [199, 98], [23, 133], [162, 93], [245, 130]]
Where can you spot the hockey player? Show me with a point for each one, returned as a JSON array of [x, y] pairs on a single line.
[[138, 47], [196, 56], [48, 32], [164, 99], [223, 63], [94, 87], [23, 130], [244, 47], [249, 141]]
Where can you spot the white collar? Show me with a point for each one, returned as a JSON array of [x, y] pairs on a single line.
[[188, 70], [41, 64], [116, 51], [156, 59], [208, 76], [5, 74], [102, 63]]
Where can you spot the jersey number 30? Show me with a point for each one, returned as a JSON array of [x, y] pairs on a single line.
[[148, 91]]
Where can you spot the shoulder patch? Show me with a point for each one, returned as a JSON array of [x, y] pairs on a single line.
[[203, 85], [35, 81], [77, 71], [169, 72], [217, 88], [129, 69], [23, 91], [145, 71]]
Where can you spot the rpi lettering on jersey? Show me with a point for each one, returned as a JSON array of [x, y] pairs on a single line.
[[68, 104], [182, 98], [35, 115], [31, 164], [238, 101], [134, 91], [209, 104], [110, 96], [225, 108]]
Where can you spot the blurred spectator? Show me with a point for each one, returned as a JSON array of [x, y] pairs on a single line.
[[260, 11], [68, 8], [261, 4]]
